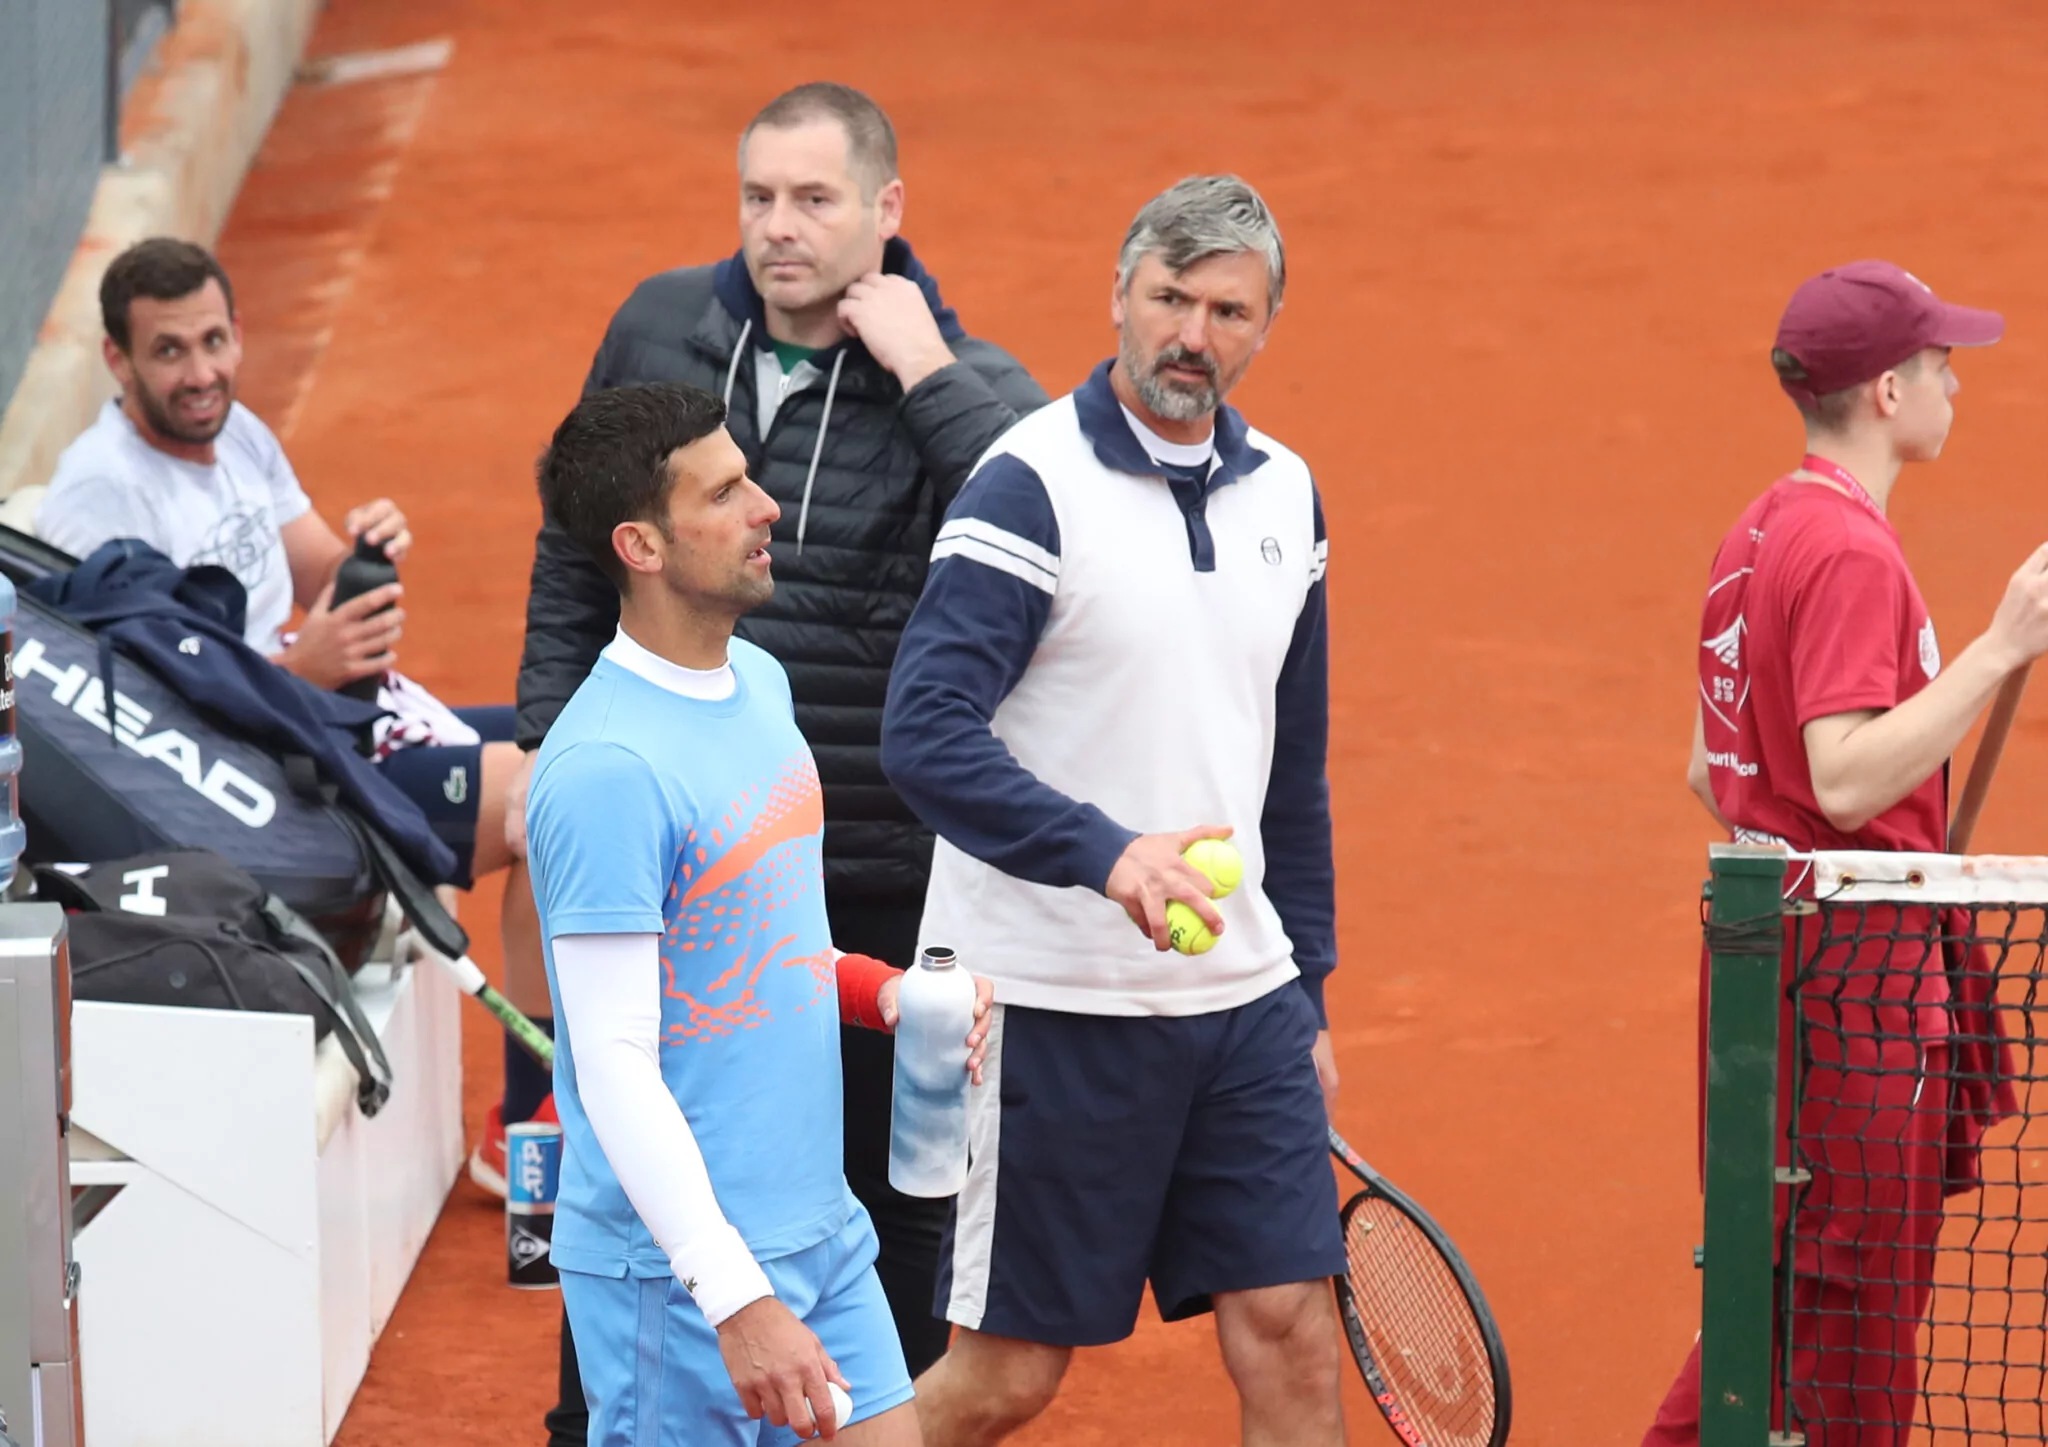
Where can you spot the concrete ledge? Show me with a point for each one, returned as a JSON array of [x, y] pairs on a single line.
[[189, 132]]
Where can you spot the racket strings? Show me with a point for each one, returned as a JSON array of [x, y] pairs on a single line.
[[1415, 1318]]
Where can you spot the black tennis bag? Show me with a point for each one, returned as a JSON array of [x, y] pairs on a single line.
[[105, 779], [185, 927], [110, 772]]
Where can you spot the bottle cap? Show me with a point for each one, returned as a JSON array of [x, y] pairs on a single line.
[[937, 957]]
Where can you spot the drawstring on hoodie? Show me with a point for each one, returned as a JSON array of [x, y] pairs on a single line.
[[746, 329], [803, 516]]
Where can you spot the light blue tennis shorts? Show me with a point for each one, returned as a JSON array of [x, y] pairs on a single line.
[[651, 1369]]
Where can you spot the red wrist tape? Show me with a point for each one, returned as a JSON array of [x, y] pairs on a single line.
[[861, 978]]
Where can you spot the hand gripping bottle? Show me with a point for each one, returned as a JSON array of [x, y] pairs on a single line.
[[928, 1114], [360, 571]]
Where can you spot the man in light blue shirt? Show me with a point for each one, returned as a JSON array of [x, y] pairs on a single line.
[[715, 1267]]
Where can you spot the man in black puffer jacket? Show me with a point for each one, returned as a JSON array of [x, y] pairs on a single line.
[[861, 405]]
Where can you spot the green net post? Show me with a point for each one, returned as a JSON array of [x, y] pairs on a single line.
[[1744, 935]]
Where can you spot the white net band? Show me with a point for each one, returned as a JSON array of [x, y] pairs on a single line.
[[1879, 876], [1874, 876]]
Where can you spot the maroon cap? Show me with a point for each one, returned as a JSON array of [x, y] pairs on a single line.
[[1855, 322]]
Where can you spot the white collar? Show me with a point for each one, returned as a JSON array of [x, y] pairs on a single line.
[[769, 375], [1174, 454], [712, 685]]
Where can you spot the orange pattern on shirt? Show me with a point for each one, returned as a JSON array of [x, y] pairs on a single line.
[[727, 904]]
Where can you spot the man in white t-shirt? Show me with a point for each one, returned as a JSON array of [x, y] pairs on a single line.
[[176, 462]]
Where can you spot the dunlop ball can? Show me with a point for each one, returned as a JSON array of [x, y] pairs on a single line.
[[533, 1173]]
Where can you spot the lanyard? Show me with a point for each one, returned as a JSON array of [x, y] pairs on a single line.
[[1841, 477]]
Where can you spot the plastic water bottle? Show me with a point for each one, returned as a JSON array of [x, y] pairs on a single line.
[[928, 1112], [12, 835], [360, 571]]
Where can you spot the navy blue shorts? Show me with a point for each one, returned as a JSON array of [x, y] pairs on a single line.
[[446, 780], [1110, 1150]]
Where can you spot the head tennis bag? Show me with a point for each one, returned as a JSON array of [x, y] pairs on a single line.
[[150, 773], [185, 927], [105, 779]]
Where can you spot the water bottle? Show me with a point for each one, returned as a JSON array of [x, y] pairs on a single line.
[[12, 835], [360, 571], [928, 1111]]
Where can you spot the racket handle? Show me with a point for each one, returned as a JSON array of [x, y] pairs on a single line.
[[470, 980], [1341, 1149], [528, 1034]]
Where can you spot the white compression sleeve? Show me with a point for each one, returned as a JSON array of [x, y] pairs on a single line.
[[611, 1007]]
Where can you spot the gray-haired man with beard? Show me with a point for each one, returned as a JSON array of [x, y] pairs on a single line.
[[1121, 650]]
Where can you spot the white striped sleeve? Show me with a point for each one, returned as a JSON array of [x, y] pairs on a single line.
[[971, 637], [982, 541]]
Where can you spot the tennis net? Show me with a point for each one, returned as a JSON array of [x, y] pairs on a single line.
[[1876, 1130]]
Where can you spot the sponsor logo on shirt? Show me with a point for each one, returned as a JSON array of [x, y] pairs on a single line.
[[1730, 760], [455, 788], [243, 542], [1727, 644], [1930, 650]]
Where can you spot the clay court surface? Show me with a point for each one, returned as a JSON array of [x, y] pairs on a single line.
[[1537, 253]]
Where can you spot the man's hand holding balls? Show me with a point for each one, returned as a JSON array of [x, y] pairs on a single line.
[[1167, 884]]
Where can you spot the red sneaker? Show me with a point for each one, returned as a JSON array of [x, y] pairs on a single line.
[[487, 1161]]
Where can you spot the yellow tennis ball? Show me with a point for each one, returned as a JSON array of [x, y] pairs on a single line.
[[1185, 930], [1219, 860]]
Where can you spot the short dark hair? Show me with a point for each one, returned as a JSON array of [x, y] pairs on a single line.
[[162, 268], [608, 462], [870, 139]]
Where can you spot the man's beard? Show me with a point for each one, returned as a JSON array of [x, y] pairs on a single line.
[[157, 410], [746, 594], [1175, 401], [737, 596]]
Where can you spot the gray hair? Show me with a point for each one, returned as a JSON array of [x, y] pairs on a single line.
[[1200, 217]]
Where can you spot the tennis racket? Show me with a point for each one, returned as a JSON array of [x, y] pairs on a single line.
[[470, 980], [1419, 1326]]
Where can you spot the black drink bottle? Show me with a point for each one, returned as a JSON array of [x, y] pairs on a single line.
[[360, 571]]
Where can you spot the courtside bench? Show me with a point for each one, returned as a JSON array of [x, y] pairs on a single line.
[[250, 1231]]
